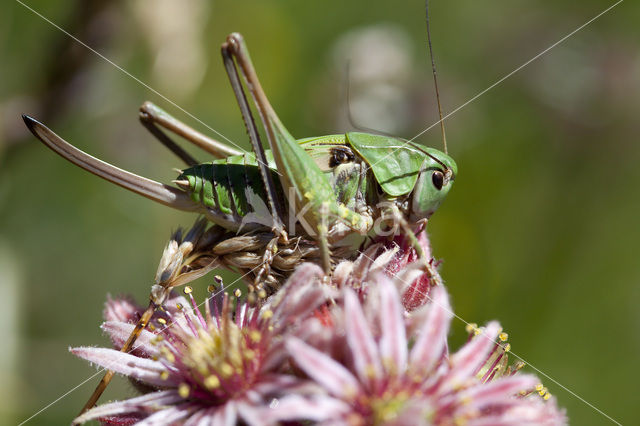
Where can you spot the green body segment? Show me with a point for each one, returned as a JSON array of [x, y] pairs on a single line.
[[229, 188], [320, 149], [224, 186], [313, 191], [396, 163]]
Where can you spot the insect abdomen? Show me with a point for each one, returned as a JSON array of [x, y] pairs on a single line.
[[228, 191]]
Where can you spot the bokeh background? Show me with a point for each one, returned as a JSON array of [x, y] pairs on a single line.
[[540, 230]]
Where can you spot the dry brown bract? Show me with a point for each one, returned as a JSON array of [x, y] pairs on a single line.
[[203, 248]]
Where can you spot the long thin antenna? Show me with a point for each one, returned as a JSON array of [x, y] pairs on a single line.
[[435, 79]]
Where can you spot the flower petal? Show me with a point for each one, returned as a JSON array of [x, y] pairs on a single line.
[[121, 309], [417, 292], [432, 339], [360, 340], [393, 342], [406, 277], [499, 390], [141, 404], [381, 262], [168, 416], [122, 419], [319, 408], [201, 418], [119, 333], [143, 369], [225, 415], [342, 274], [472, 356], [362, 264], [277, 383], [251, 415], [524, 411], [324, 370], [301, 294]]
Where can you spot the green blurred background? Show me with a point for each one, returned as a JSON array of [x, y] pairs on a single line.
[[539, 231]]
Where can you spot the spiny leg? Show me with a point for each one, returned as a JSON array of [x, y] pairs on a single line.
[[256, 143], [323, 236], [311, 192], [264, 270], [298, 171], [150, 125], [151, 116]]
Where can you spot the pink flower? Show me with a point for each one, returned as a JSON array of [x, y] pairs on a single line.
[[397, 256], [395, 368], [350, 353], [222, 367]]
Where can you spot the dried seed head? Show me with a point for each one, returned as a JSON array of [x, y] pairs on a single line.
[[264, 262], [170, 260], [180, 263]]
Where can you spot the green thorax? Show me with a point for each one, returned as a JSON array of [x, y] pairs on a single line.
[[396, 163]]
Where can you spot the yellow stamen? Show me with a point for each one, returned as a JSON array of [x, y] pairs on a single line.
[[212, 382], [255, 336], [226, 369], [183, 390], [168, 355]]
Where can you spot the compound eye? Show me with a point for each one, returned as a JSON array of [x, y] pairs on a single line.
[[340, 155], [438, 179]]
